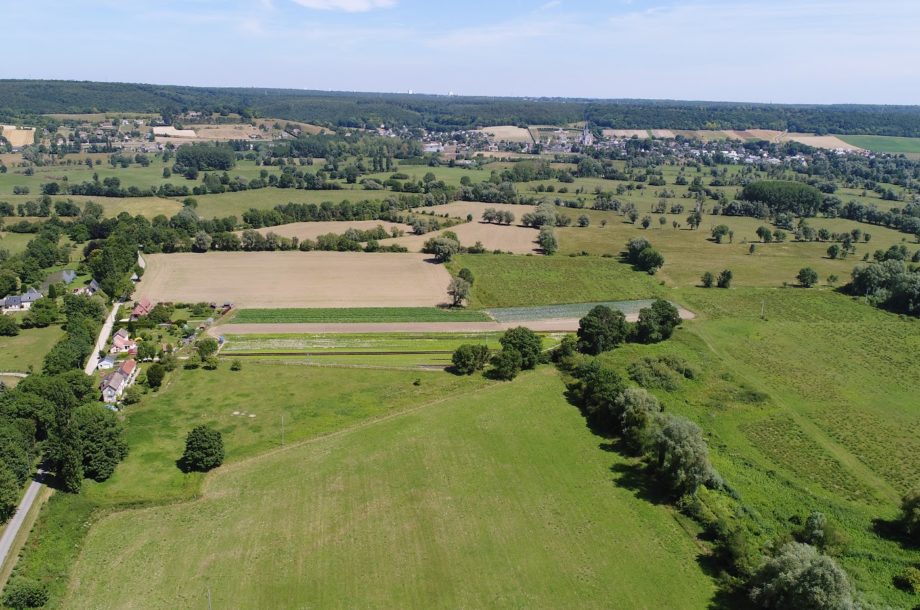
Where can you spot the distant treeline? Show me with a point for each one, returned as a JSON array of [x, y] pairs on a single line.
[[24, 98]]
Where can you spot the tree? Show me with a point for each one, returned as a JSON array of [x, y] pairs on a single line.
[[597, 389], [43, 313], [9, 492], [910, 515], [725, 279], [8, 326], [681, 456], [635, 247], [443, 248], [9, 283], [646, 221], [547, 241], [468, 359], [207, 347], [459, 291], [467, 275], [720, 232], [146, 351], [833, 251], [22, 593], [708, 280], [807, 277], [638, 413], [601, 330], [526, 343], [506, 364], [102, 441], [657, 323], [650, 260], [765, 234], [202, 242], [799, 576], [204, 450], [583, 221], [155, 375]]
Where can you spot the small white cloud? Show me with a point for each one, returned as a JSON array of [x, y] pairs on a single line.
[[349, 6]]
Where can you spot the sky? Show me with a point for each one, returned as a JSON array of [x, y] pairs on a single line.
[[783, 51]]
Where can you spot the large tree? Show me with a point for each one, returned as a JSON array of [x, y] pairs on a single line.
[[681, 456], [601, 329], [204, 450], [657, 323], [799, 576], [526, 343]]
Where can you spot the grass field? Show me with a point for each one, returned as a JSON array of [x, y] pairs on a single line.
[[27, 349], [509, 281], [456, 504], [357, 314], [884, 144], [14, 243]]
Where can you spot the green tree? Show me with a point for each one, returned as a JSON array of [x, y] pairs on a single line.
[[468, 359], [443, 248], [725, 279], [657, 323], [206, 347], [9, 492], [22, 593], [601, 330], [638, 415], [43, 313], [708, 280], [547, 241], [681, 456], [146, 350], [467, 275], [720, 232], [8, 326], [807, 277], [833, 251], [799, 576], [635, 247], [910, 515], [597, 389], [155, 375], [526, 343], [204, 450], [9, 283], [459, 291], [765, 234], [102, 440], [506, 364], [650, 260]]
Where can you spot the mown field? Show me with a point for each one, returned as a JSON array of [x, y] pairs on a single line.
[[27, 350], [356, 315], [884, 144], [14, 243], [491, 497]]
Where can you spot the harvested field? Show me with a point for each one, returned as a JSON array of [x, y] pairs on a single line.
[[626, 133], [18, 136], [171, 132], [831, 142], [520, 240], [662, 133], [295, 279], [460, 209], [508, 133], [312, 230]]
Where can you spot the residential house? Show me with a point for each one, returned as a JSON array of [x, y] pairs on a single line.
[[22, 302], [122, 343], [107, 363], [115, 384], [88, 290], [141, 308]]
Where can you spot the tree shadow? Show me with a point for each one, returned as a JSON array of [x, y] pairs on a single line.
[[637, 478], [892, 530]]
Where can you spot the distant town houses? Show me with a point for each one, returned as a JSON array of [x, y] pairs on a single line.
[[20, 302], [113, 385]]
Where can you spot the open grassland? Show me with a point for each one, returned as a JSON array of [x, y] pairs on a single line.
[[688, 253], [356, 314], [295, 279], [454, 505], [885, 144], [510, 281], [516, 239], [812, 408], [27, 349], [14, 243]]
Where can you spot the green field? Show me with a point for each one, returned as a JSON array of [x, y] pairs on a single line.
[[509, 281], [491, 497], [356, 315], [27, 350], [14, 243], [884, 144]]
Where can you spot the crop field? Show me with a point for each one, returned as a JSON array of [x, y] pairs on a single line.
[[295, 279], [796, 426], [512, 281], [508, 133], [312, 230], [26, 351], [455, 504], [885, 144], [513, 238], [356, 314], [571, 310]]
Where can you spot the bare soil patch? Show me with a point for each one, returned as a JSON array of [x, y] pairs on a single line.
[[171, 132], [662, 133], [295, 279], [18, 136]]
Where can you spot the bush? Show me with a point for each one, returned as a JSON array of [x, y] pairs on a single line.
[[650, 260], [908, 580], [526, 343], [708, 280], [236, 365], [204, 450], [634, 248], [467, 275], [155, 375], [801, 577], [657, 323], [681, 457], [506, 364], [638, 414], [807, 277], [725, 279], [24, 593], [662, 373], [910, 515], [602, 329], [468, 359]]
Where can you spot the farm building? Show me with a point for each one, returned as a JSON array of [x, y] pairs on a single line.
[[115, 384]]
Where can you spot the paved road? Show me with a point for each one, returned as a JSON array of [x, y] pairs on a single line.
[[102, 340], [15, 524], [8, 374]]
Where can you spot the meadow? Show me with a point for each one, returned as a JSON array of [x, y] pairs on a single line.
[[14, 243], [453, 504], [356, 314], [885, 144], [25, 352]]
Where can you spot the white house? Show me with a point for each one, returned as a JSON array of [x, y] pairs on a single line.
[[22, 302], [115, 384]]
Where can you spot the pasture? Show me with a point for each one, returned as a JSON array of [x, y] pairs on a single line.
[[14, 243], [454, 504], [885, 144], [26, 350], [295, 279], [513, 238]]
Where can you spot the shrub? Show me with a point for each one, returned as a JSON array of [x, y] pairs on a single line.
[[155, 375], [24, 593], [681, 457], [602, 329], [204, 450], [708, 280], [526, 343], [657, 323], [801, 577], [650, 260], [506, 364], [638, 414], [909, 580], [468, 359], [725, 279], [467, 275], [807, 277], [910, 515], [236, 365]]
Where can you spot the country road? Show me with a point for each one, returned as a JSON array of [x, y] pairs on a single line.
[[102, 340], [15, 524]]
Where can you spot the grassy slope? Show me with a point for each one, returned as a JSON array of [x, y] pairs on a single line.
[[507, 281], [14, 243], [28, 348], [885, 144], [837, 429], [359, 314], [454, 505]]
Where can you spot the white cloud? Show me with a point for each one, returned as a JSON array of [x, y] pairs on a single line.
[[349, 6]]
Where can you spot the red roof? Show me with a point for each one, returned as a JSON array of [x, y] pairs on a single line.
[[127, 367]]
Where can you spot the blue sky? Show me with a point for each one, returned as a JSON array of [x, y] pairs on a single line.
[[819, 51]]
